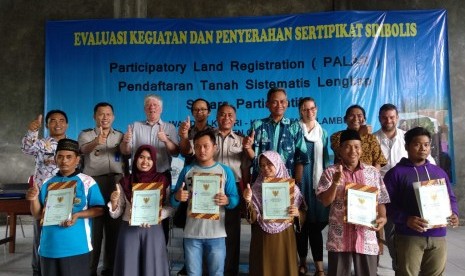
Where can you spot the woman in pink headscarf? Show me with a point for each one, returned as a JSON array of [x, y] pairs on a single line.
[[272, 246]]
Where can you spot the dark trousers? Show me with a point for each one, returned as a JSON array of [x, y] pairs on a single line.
[[233, 241], [105, 227], [312, 232], [68, 266], [35, 249], [340, 263]]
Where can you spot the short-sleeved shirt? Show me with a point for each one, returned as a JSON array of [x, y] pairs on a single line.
[[231, 153], [284, 137], [146, 134], [43, 151], [57, 241], [345, 237], [371, 150], [104, 159]]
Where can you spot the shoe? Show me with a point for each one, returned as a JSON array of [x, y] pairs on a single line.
[[319, 273], [182, 272], [303, 269], [107, 272]]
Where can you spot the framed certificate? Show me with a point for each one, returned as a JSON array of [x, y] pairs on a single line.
[[59, 203], [204, 189], [433, 201], [361, 204], [277, 196], [146, 206]]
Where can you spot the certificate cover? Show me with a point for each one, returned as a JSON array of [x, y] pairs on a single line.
[[204, 188], [58, 203], [361, 204], [433, 201], [277, 196], [146, 205]]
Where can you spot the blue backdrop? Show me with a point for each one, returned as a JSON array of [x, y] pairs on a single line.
[[339, 58]]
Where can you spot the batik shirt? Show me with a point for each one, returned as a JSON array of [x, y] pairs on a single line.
[[342, 236], [43, 151], [284, 137]]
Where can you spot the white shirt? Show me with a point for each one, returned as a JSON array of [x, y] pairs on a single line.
[[393, 149]]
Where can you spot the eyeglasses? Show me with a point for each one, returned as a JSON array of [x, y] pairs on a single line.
[[200, 110], [312, 109]]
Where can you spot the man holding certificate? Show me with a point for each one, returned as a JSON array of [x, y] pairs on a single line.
[[65, 203], [420, 243], [355, 240], [209, 187]]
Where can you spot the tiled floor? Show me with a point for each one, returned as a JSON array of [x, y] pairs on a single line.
[[19, 263]]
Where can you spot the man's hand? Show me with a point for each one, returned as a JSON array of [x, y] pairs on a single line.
[[221, 199], [36, 124], [418, 224], [247, 142], [127, 138], [182, 195], [184, 128], [33, 192]]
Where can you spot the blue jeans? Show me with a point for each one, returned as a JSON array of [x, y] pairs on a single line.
[[214, 251]]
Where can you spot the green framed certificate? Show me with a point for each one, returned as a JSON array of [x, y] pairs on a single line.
[[58, 206], [433, 201], [147, 199], [276, 199], [361, 207], [204, 189]]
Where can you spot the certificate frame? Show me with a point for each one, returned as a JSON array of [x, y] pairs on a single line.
[[146, 204], [204, 187], [59, 203], [361, 204], [277, 196], [433, 201]]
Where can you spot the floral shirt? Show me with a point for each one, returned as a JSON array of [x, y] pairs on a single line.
[[345, 237], [284, 137], [43, 151]]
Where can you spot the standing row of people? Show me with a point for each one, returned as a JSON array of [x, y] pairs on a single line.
[[276, 147]]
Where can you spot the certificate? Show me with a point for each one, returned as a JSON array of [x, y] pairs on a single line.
[[147, 199], [433, 201], [361, 204], [58, 206], [276, 199], [204, 189]]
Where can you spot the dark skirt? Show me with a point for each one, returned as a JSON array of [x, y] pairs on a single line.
[[141, 251]]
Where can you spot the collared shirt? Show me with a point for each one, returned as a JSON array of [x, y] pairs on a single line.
[[345, 237], [230, 152], [371, 150], [284, 137], [43, 151], [393, 149], [103, 159], [146, 134]]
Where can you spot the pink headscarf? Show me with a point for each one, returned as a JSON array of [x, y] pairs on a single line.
[[281, 172]]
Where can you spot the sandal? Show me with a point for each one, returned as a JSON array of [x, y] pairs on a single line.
[[303, 269]]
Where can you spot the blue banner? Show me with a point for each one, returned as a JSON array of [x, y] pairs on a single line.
[[338, 58]]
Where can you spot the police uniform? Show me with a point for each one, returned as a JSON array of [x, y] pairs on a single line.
[[106, 165]]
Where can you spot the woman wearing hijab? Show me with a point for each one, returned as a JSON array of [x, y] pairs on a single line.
[[141, 250], [272, 245], [317, 141]]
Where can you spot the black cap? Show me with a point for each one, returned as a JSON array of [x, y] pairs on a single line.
[[68, 144], [349, 134]]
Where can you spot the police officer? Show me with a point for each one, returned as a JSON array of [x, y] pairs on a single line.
[[105, 163]]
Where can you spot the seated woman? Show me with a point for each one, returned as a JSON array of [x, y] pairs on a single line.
[[141, 250], [272, 247]]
